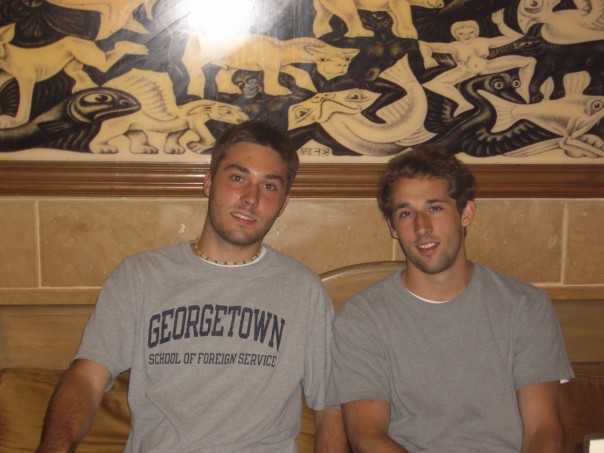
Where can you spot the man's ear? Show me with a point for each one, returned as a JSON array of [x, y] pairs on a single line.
[[468, 213], [393, 233], [207, 182]]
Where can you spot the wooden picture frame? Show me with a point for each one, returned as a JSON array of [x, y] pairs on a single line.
[[20, 178]]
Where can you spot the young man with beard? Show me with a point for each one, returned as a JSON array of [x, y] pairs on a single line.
[[220, 334], [447, 355]]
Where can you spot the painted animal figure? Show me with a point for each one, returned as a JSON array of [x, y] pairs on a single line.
[[573, 119], [339, 114], [78, 112], [564, 26], [39, 23], [252, 100], [306, 120], [32, 65], [114, 14], [347, 10], [555, 61], [472, 132], [267, 54], [375, 56], [160, 113], [469, 9]]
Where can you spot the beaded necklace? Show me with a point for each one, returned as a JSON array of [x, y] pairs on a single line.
[[205, 257]]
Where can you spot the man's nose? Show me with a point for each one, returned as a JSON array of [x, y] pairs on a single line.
[[251, 194], [422, 223]]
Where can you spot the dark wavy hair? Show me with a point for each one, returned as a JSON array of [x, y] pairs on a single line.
[[259, 133], [428, 161]]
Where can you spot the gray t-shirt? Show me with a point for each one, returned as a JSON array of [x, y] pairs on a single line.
[[450, 371], [218, 355]]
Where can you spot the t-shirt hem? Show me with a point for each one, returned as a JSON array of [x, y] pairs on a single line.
[[343, 399], [541, 379]]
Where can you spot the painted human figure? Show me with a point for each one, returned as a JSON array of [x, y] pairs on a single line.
[[470, 52]]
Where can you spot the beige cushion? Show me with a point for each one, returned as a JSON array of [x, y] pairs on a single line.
[[24, 396], [306, 438]]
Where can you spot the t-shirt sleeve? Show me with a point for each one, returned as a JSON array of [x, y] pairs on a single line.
[[359, 365], [318, 359], [540, 352], [109, 334]]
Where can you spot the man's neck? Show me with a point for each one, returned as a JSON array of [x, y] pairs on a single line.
[[217, 250], [441, 287]]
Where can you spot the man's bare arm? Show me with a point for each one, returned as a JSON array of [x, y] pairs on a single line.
[[367, 423], [73, 406], [329, 432], [539, 406]]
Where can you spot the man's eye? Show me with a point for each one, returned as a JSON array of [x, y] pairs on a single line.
[[235, 178], [271, 187]]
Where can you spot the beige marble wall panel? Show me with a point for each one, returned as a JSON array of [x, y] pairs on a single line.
[[83, 240], [18, 244], [330, 233], [521, 238], [584, 262]]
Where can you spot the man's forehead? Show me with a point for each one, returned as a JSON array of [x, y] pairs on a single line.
[[422, 181], [424, 186], [254, 158], [245, 148]]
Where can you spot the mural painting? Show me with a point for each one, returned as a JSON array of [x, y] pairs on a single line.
[[509, 81]]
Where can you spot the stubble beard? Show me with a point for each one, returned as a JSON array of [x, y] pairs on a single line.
[[443, 263], [234, 236]]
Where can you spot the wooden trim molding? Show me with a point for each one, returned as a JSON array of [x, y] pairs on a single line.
[[25, 178]]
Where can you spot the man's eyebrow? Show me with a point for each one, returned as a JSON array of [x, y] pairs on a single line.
[[430, 201], [246, 171], [400, 206], [237, 167], [276, 177], [435, 200]]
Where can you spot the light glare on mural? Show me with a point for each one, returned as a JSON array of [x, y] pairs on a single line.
[[223, 20]]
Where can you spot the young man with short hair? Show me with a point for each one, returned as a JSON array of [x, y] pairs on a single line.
[[220, 334], [447, 355]]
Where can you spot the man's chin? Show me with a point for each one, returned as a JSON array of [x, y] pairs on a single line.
[[239, 240], [429, 268]]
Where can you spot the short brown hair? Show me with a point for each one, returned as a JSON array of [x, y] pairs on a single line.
[[259, 133], [432, 162]]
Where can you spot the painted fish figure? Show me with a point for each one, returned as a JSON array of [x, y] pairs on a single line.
[[576, 118], [75, 115]]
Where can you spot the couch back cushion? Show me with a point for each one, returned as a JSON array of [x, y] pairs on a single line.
[[24, 396], [582, 402]]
